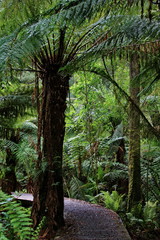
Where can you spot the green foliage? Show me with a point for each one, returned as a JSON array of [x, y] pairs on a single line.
[[24, 151], [150, 170], [143, 217], [15, 222], [37, 231], [15, 219], [13, 108], [94, 126], [112, 201], [116, 172], [76, 189], [2, 231], [150, 213]]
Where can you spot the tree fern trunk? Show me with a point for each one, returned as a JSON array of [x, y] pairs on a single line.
[[48, 190], [134, 192]]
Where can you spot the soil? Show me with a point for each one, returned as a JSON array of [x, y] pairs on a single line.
[[85, 221]]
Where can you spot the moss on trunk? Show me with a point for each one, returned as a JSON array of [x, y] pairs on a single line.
[[134, 192]]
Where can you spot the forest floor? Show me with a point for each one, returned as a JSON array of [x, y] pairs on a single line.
[[85, 221]]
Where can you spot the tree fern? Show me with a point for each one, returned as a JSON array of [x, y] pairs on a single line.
[[44, 24], [123, 34]]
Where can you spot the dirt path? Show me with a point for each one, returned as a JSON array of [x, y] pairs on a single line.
[[85, 221]]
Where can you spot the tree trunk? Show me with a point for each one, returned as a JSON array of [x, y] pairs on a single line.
[[9, 182], [48, 190], [134, 192]]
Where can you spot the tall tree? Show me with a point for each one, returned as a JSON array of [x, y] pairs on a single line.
[[134, 194], [50, 41]]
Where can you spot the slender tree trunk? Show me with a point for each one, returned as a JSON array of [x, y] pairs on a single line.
[[9, 182], [48, 190], [134, 192]]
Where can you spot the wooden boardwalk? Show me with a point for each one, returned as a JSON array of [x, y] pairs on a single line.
[[85, 221]]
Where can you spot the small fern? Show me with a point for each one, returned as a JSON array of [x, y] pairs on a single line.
[[39, 228], [143, 217], [150, 213], [2, 230], [15, 219], [112, 201]]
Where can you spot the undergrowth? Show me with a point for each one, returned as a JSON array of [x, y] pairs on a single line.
[[15, 221], [142, 221]]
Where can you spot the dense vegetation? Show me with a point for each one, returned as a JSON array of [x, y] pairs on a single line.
[[79, 111]]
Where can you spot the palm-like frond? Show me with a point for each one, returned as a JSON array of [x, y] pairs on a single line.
[[120, 36], [12, 107], [16, 101], [151, 174], [30, 38]]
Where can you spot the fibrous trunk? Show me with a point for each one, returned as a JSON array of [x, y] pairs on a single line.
[[48, 190], [134, 194]]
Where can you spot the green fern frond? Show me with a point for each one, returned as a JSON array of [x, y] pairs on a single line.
[[2, 232], [15, 217], [29, 127], [12, 107], [76, 190], [30, 37], [149, 211], [126, 34], [4, 144], [112, 201]]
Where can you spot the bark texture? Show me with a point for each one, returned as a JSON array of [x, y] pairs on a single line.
[[48, 190], [134, 192]]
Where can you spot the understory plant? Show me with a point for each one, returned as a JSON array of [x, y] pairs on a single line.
[[143, 220], [113, 201], [15, 221]]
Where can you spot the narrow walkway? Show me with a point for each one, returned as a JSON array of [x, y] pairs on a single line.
[[85, 221]]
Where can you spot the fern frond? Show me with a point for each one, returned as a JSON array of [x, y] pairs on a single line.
[[29, 39], [15, 217], [13, 106], [2, 232], [112, 201], [126, 34], [4, 144], [29, 127], [76, 190]]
